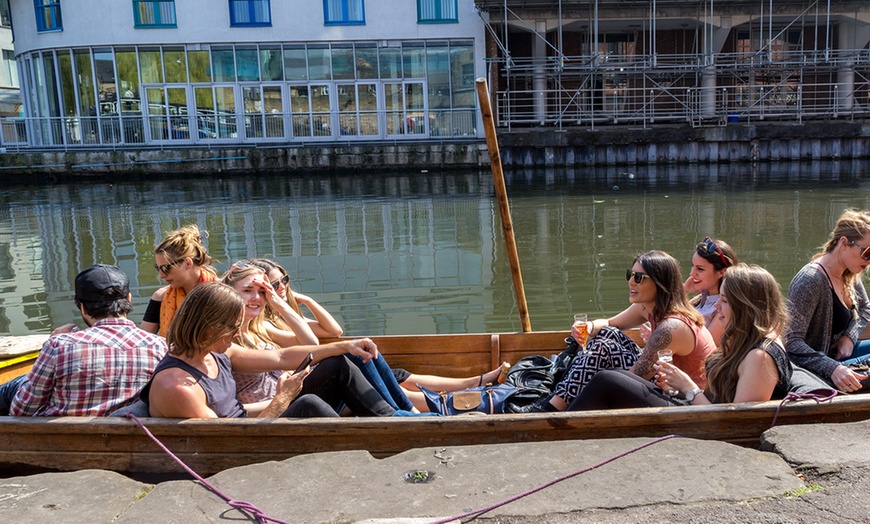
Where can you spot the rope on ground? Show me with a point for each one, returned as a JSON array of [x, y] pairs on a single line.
[[261, 517], [504, 502], [819, 395]]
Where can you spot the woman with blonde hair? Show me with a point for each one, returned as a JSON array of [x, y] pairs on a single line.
[[334, 378], [750, 364], [183, 262], [828, 305]]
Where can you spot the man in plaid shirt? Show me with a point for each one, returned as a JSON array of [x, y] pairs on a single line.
[[99, 369]]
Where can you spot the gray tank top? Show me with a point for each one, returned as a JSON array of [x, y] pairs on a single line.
[[220, 392]]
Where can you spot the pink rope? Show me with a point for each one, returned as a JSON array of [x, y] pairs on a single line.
[[261, 517], [819, 395], [552, 482]]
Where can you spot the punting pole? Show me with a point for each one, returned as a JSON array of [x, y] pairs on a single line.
[[503, 206]]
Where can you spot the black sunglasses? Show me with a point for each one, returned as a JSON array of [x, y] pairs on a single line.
[[283, 280], [865, 251], [713, 248], [637, 275], [166, 267]]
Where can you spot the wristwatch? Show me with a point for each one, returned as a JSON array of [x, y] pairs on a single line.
[[690, 395]]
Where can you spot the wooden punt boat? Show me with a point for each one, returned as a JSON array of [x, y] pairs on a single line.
[[208, 446]]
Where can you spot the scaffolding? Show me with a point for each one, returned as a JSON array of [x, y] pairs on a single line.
[[641, 63]]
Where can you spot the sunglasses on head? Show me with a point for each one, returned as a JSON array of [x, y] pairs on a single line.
[[865, 251], [283, 280], [166, 267], [713, 248], [637, 275]]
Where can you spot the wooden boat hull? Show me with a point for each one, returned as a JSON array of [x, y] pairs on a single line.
[[210, 446]]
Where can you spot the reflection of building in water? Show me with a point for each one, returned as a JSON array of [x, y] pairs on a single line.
[[247, 71], [387, 264]]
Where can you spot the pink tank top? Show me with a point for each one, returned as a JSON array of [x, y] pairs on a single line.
[[693, 363]]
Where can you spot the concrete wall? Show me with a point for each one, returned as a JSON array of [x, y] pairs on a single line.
[[519, 149]]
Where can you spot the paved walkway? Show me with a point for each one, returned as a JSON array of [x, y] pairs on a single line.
[[674, 480]]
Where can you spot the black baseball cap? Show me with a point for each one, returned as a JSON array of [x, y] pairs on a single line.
[[102, 283]]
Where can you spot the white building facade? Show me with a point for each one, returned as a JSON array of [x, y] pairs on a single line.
[[125, 73]]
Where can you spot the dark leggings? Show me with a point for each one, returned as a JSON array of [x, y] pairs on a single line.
[[620, 389], [337, 381], [309, 406]]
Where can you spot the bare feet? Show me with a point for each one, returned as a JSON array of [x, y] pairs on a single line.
[[496, 376]]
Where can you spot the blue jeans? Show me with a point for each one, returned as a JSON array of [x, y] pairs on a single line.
[[7, 393], [379, 374], [861, 352]]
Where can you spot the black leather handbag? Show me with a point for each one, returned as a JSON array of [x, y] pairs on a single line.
[[483, 399], [536, 376]]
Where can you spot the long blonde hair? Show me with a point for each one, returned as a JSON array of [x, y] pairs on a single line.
[[186, 242], [854, 225], [210, 311], [268, 265], [257, 326], [758, 313]]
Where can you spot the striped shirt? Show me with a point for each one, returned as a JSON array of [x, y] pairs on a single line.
[[89, 372]]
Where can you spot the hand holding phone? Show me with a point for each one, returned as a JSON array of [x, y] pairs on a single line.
[[305, 362]]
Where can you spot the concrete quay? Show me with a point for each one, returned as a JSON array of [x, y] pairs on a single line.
[[811, 474]]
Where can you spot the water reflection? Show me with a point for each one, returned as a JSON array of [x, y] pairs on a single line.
[[421, 253]]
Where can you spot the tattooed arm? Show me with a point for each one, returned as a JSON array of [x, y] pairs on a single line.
[[670, 334]]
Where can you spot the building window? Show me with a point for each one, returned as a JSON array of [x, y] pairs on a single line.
[[11, 68], [48, 15], [154, 13], [436, 11], [247, 13], [344, 12], [5, 19]]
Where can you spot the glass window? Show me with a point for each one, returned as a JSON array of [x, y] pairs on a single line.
[[68, 90], [48, 15], [342, 62], [5, 19], [318, 62], [250, 13], [128, 80], [150, 66], [438, 76], [391, 62], [344, 12], [176, 65], [462, 75], [223, 64], [11, 68], [154, 13], [105, 69], [271, 67], [295, 64], [200, 66], [85, 77], [436, 11], [366, 61], [414, 60], [247, 66]]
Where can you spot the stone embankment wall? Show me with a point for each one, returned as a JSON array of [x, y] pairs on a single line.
[[524, 148]]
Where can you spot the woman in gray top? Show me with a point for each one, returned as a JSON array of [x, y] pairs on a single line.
[[828, 304]]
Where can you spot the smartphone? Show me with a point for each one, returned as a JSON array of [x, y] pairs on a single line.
[[305, 362]]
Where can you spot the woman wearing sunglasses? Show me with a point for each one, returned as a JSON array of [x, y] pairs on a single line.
[[323, 325], [334, 379], [750, 364], [828, 305], [183, 262], [656, 294]]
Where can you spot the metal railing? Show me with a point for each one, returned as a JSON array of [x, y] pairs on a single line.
[[698, 89]]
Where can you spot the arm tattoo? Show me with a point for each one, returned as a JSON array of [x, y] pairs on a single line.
[[661, 338]]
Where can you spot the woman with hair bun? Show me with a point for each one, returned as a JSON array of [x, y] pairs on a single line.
[[183, 262]]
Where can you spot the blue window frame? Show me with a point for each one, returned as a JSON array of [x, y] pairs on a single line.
[[154, 13], [344, 12], [250, 13], [48, 15], [437, 12]]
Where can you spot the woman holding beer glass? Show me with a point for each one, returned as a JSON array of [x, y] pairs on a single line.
[[656, 294], [749, 366]]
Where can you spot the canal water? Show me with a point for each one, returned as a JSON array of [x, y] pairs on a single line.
[[419, 252]]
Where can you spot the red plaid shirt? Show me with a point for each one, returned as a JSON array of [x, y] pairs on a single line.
[[89, 372]]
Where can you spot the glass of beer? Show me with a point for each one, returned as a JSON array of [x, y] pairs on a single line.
[[581, 326], [666, 355]]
